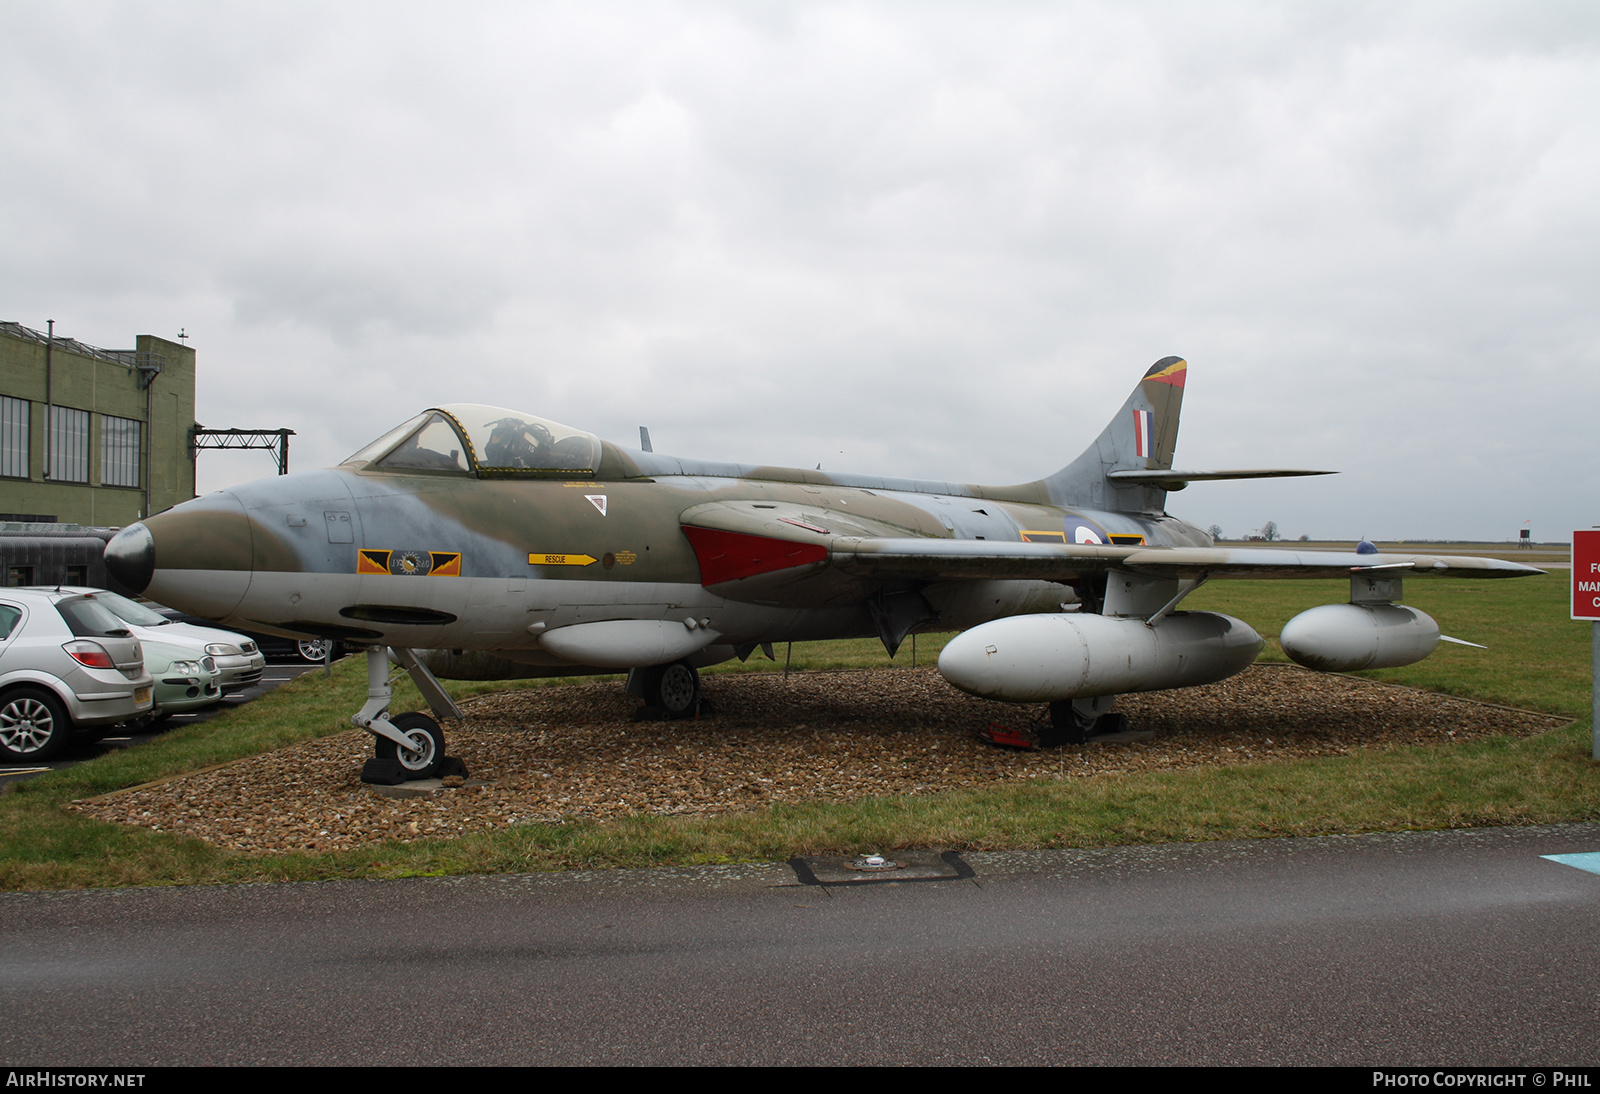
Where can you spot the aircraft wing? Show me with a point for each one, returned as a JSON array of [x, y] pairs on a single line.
[[940, 559], [785, 554]]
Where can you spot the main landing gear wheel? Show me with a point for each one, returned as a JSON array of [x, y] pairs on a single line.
[[1075, 721], [423, 760], [33, 726], [675, 688]]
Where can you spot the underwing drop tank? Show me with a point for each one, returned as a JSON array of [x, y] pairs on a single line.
[[1349, 637], [1045, 658]]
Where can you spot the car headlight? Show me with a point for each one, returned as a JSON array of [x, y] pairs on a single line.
[[184, 668], [224, 649]]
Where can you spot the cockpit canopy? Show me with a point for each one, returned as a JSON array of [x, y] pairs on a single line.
[[488, 441]]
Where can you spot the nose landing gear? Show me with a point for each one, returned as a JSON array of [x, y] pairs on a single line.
[[408, 746]]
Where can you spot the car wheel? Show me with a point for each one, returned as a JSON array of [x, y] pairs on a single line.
[[317, 650], [422, 761], [33, 726]]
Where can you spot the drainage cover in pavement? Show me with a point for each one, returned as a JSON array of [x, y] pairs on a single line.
[[876, 869]]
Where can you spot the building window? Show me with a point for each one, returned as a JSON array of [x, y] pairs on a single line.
[[69, 444], [14, 416], [119, 451]]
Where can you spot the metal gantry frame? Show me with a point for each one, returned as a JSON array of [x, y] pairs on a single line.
[[268, 440]]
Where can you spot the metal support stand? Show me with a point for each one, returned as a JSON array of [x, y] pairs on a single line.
[[275, 441]]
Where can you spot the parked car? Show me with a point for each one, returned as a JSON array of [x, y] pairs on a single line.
[[239, 662], [276, 647], [67, 664], [184, 680]]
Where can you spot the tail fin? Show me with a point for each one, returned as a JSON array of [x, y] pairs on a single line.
[[1141, 437]]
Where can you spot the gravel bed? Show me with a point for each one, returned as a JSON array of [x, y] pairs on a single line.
[[550, 755]]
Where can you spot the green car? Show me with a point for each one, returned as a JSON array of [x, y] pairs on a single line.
[[184, 679]]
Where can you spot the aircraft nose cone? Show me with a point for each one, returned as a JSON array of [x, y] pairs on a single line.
[[196, 557], [131, 557]]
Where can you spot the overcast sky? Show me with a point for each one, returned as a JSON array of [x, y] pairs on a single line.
[[929, 239]]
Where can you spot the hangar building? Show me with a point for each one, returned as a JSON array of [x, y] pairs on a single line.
[[92, 436]]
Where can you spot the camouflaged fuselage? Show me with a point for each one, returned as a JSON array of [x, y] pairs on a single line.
[[442, 560]]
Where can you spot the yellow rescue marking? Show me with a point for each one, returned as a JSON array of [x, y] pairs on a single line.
[[1125, 540], [627, 558], [1044, 537], [561, 560]]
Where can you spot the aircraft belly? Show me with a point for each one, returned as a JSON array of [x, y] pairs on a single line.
[[963, 604]]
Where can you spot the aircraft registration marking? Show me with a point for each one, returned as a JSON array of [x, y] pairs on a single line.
[[408, 563], [561, 560]]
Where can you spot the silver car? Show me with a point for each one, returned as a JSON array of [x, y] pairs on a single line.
[[239, 662], [66, 663]]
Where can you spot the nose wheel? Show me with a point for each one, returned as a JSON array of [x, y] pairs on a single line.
[[423, 758], [407, 746]]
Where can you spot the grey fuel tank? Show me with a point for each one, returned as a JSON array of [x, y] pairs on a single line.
[[1036, 658]]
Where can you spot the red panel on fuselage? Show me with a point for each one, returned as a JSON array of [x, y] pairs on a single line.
[[728, 556]]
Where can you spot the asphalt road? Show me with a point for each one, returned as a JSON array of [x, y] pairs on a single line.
[[1420, 948]]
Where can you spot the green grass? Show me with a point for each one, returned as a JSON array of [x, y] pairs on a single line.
[[1537, 659]]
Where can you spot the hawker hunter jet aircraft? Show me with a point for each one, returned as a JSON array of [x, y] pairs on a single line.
[[479, 528]]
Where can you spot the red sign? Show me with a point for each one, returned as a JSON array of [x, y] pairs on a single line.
[[1586, 578]]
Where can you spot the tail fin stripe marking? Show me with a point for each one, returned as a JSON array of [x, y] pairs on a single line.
[[1173, 374]]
